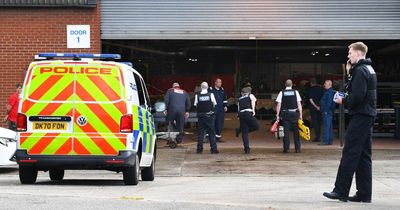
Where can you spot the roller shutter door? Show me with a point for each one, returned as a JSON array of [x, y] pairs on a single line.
[[250, 19]]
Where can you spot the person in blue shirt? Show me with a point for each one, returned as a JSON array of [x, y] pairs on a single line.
[[327, 109]]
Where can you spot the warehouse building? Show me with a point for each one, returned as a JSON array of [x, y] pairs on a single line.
[[261, 42]]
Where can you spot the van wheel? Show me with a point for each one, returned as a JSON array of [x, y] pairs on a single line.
[[149, 172], [131, 174], [56, 174], [27, 174]]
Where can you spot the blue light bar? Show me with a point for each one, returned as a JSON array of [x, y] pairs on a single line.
[[79, 55]]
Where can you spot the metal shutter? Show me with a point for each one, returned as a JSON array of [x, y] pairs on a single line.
[[250, 19]]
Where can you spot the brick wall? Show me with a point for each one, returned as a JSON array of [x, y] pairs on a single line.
[[25, 32]]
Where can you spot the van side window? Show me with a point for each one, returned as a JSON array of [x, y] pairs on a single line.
[[140, 90]]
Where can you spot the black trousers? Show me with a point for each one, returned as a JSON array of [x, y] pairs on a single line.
[[248, 124], [179, 118], [316, 122], [356, 157], [290, 123], [205, 124]]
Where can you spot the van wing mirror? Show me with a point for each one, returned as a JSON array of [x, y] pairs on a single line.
[[160, 106]]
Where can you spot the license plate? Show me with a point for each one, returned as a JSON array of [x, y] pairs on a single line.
[[49, 126]]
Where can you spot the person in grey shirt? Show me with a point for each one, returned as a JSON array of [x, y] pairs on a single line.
[[177, 102]]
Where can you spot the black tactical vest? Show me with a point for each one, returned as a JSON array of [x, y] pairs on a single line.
[[245, 103], [289, 99], [204, 103]]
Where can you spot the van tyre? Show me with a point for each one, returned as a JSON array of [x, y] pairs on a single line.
[[56, 174], [131, 174], [148, 173], [27, 174]]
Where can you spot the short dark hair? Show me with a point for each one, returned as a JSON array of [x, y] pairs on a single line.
[[360, 46], [19, 86]]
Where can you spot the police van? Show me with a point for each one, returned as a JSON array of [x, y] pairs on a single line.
[[84, 111]]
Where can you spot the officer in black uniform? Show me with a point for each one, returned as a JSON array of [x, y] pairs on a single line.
[[289, 110], [248, 123], [177, 102], [360, 100], [314, 94], [205, 105], [220, 108]]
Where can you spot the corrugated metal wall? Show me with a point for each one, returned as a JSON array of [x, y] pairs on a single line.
[[248, 19]]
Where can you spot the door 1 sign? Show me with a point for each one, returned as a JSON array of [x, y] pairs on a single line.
[[78, 36]]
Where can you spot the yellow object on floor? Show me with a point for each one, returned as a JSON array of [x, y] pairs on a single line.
[[304, 131]]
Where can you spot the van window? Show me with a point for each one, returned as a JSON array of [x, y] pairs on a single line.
[[140, 90]]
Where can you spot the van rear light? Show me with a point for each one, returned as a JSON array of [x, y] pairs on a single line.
[[125, 125], [21, 122]]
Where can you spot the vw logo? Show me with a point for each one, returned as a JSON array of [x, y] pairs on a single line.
[[81, 120]]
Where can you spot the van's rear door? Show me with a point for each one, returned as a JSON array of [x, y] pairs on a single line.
[[48, 104], [98, 108]]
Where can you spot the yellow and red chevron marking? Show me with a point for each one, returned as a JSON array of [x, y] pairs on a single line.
[[97, 97], [96, 144], [46, 143], [100, 135]]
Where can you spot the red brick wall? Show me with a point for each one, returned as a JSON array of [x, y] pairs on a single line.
[[25, 32]]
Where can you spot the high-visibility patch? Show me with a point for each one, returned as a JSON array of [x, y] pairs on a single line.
[[46, 143], [135, 138]]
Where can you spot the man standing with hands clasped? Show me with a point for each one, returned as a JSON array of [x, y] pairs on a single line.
[[360, 100], [220, 108]]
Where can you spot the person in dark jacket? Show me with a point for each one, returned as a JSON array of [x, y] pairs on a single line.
[[360, 100], [220, 108], [177, 102], [314, 94], [327, 109]]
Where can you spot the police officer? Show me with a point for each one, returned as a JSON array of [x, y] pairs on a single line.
[[360, 100], [314, 94], [205, 105], [177, 102], [248, 123], [289, 110], [220, 108]]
